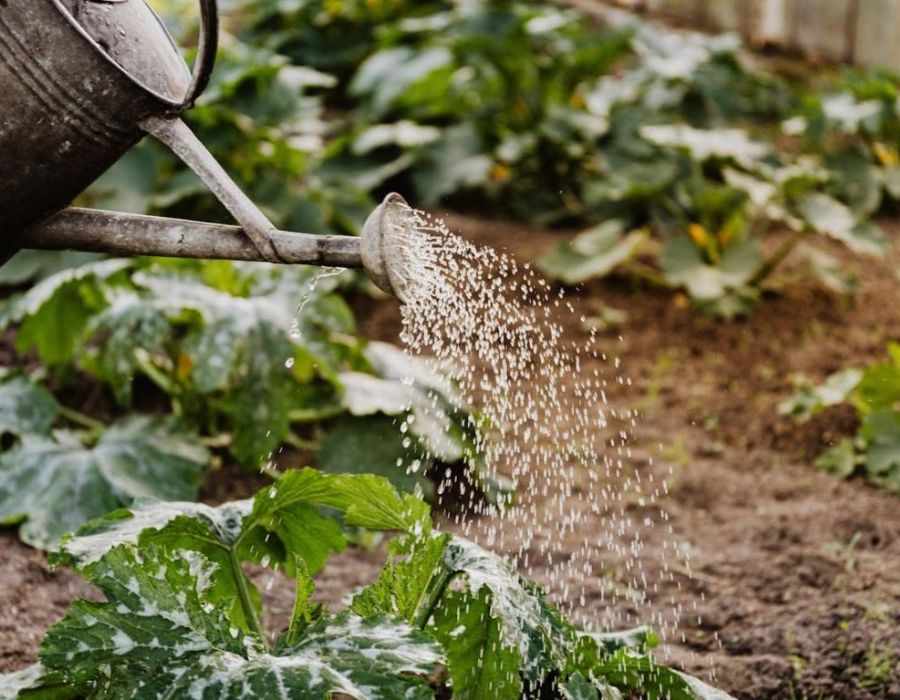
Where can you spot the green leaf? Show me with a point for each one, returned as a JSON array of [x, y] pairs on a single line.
[[156, 608], [173, 526], [54, 312], [832, 218], [879, 387], [25, 407], [409, 585], [406, 134], [482, 663], [526, 625], [374, 445], [629, 670], [830, 273], [37, 683], [240, 349], [454, 163], [439, 414], [130, 328], [30, 265], [881, 431], [683, 265], [57, 484], [577, 687], [283, 522], [365, 500], [808, 399], [857, 180], [705, 144], [839, 459], [891, 177], [594, 253], [385, 76], [158, 633]]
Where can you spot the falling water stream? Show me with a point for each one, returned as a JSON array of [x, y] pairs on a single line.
[[582, 506]]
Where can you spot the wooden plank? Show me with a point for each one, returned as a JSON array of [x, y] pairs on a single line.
[[822, 28], [774, 22], [877, 43], [688, 11]]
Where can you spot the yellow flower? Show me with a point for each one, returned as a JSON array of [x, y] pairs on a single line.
[[576, 101], [500, 172], [698, 234], [185, 365], [886, 155]]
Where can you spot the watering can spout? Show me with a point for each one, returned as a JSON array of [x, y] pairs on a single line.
[[83, 81], [375, 251]]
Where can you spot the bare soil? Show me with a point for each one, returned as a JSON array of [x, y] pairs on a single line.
[[795, 585]]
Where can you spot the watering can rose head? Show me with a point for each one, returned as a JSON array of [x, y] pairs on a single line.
[[83, 81]]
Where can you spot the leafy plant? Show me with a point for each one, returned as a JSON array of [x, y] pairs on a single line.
[[854, 130], [875, 392], [219, 343], [53, 481], [172, 624]]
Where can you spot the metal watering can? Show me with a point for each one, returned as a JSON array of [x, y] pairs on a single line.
[[81, 83]]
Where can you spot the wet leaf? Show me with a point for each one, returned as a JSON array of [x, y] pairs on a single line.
[[282, 520], [53, 485], [282, 523], [413, 573], [577, 687], [159, 632], [481, 662], [375, 445], [857, 180]]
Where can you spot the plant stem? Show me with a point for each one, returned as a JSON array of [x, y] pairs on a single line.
[[778, 257], [244, 595], [301, 415], [79, 418], [300, 443], [273, 474], [646, 273], [429, 603]]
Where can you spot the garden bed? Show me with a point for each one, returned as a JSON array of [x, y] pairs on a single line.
[[796, 574]]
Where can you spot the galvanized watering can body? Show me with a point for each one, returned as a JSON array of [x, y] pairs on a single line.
[[69, 111], [81, 82]]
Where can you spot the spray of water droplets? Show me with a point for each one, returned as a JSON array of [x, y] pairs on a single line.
[[581, 507]]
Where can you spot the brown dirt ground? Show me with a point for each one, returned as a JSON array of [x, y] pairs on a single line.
[[796, 575]]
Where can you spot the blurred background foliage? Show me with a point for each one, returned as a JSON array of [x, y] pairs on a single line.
[[685, 155]]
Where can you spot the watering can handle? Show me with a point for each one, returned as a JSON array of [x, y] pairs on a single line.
[[206, 51], [175, 134]]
